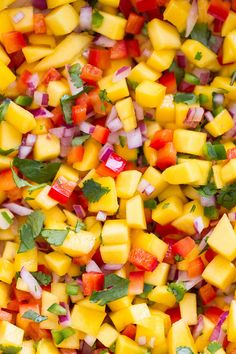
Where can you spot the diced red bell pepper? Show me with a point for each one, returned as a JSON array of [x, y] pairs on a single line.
[[174, 314], [166, 156], [217, 26], [133, 48], [169, 256], [135, 23], [90, 73], [17, 59], [39, 24], [143, 260], [161, 138], [136, 283], [195, 267], [169, 81], [168, 229], [183, 247], [125, 7], [233, 5], [210, 255], [100, 107], [5, 316], [75, 154], [22, 82], [207, 293], [13, 41], [144, 5], [213, 313], [7, 182], [57, 118], [99, 58], [92, 282], [219, 9], [104, 171], [61, 189], [22, 296], [36, 333], [231, 153], [101, 134], [130, 331], [13, 306], [115, 163], [155, 13], [51, 75], [79, 113], [119, 50]]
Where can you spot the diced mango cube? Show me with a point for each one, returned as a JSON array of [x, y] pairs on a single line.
[[188, 309], [184, 173], [161, 60], [229, 24], [217, 174], [127, 183], [165, 113], [115, 232], [142, 72], [116, 31], [7, 271], [4, 57], [161, 295], [26, 24], [229, 48], [43, 200], [228, 171], [10, 334], [180, 335], [205, 168], [68, 172], [126, 345], [170, 191], [4, 294], [108, 202], [42, 40], [163, 35], [158, 276], [115, 254], [115, 90], [231, 321], [203, 340], [90, 158], [35, 53], [155, 178], [46, 346], [7, 76], [47, 147], [135, 213], [168, 210], [62, 20], [49, 299], [190, 47], [150, 94], [126, 113], [28, 259], [78, 244], [150, 243], [182, 7], [55, 90], [107, 335], [224, 83], [81, 319], [189, 142], [222, 123], [59, 290], [20, 118], [58, 262]]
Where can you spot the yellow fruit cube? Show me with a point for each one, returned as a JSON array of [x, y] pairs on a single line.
[[108, 202], [150, 243], [217, 174], [10, 334], [127, 183], [188, 309], [54, 213], [42, 40], [229, 24], [158, 276], [170, 191], [10, 250], [35, 53], [7, 76], [228, 171], [135, 213], [182, 7], [207, 92], [48, 299], [184, 173], [27, 347], [126, 345], [107, 335], [58, 263], [20, 118], [115, 232], [190, 47], [161, 60], [90, 158], [81, 319], [165, 113], [153, 330], [78, 244], [126, 113], [142, 72], [168, 210], [72, 342], [205, 168], [126, 153], [5, 21], [47, 147], [161, 295], [3, 56], [222, 123], [54, 3], [116, 31], [28, 259], [46, 346], [62, 20], [219, 272], [155, 178], [150, 94], [4, 294], [180, 335], [55, 90], [189, 142], [203, 340], [224, 83], [119, 304], [115, 90], [231, 322], [229, 48], [68, 172], [59, 290], [44, 201], [115, 254], [26, 24], [163, 35], [7, 271]]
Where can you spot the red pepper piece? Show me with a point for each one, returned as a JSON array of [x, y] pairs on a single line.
[[161, 138], [143, 260], [183, 247], [166, 156], [136, 283], [92, 282], [13, 41], [207, 293], [61, 189]]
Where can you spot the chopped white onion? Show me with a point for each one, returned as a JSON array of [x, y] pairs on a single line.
[[192, 18], [113, 266], [143, 184], [93, 267], [59, 132], [198, 224], [134, 138], [142, 340], [112, 115], [101, 216], [24, 151], [149, 189], [86, 13], [18, 17], [232, 216], [138, 111], [31, 282], [17, 209], [30, 139], [115, 125], [191, 283], [41, 98], [86, 127]]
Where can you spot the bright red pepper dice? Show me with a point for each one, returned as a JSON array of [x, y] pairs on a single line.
[[136, 283], [143, 260], [92, 282], [99, 58], [61, 190], [183, 247], [144, 5], [135, 23], [219, 9], [13, 41], [161, 138], [166, 156], [101, 134]]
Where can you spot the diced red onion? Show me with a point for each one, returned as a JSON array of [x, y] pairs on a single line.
[[66, 141], [217, 330], [191, 283], [85, 127], [203, 242], [113, 138], [59, 132], [32, 284], [149, 189], [65, 320], [41, 113], [143, 128], [69, 132], [232, 216], [204, 75], [113, 164], [55, 277], [121, 73], [17, 209], [101, 216], [90, 114], [103, 41], [207, 201], [143, 184], [198, 224], [86, 18], [192, 18], [24, 151], [112, 115], [228, 299], [32, 83], [40, 4], [232, 109], [93, 267], [218, 98], [209, 116], [197, 330], [138, 111], [172, 272], [181, 59], [183, 276], [30, 139], [186, 87], [64, 150], [113, 266], [86, 349], [105, 151], [85, 53], [79, 210], [18, 17], [90, 340], [115, 125], [142, 340], [41, 98], [134, 139], [216, 43]]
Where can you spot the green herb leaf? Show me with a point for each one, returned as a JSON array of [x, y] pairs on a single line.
[[35, 220], [227, 196], [188, 98], [178, 258], [72, 289], [59, 335], [184, 350], [42, 278], [36, 171], [115, 288], [201, 33], [150, 204], [103, 97], [177, 289], [165, 206], [9, 349], [97, 19], [132, 84], [34, 316], [80, 226], [198, 56], [93, 191], [191, 79], [20, 183], [6, 152], [179, 72], [57, 309], [208, 190], [122, 140], [55, 237], [6, 216], [213, 347], [146, 290], [30, 230], [3, 109], [193, 208], [211, 212], [79, 140], [74, 72], [24, 101]]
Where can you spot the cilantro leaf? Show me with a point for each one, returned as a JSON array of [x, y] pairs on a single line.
[[54, 237], [177, 289], [37, 171], [6, 152], [178, 258], [122, 140], [93, 191], [104, 98], [146, 290], [42, 278], [188, 98], [59, 335], [213, 347], [150, 204], [208, 190], [20, 183], [227, 196], [115, 288], [34, 316], [35, 221], [30, 230], [132, 84], [198, 56], [79, 140], [74, 72], [201, 33], [9, 349], [3, 109], [97, 19], [183, 350]]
